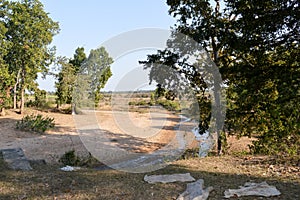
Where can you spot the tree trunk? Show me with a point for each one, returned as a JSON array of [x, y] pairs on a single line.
[[22, 90], [73, 108], [22, 100], [217, 95], [2, 112], [15, 89]]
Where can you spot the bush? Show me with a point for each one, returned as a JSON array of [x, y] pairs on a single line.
[[70, 158], [190, 153], [271, 144], [36, 123], [169, 105], [139, 103]]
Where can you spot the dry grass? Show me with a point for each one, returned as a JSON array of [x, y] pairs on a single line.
[[230, 171], [48, 182]]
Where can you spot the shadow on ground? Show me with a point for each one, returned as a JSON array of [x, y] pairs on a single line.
[[48, 182]]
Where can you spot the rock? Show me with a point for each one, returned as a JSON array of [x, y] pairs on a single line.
[[16, 159], [195, 191], [169, 178], [69, 168], [253, 189]]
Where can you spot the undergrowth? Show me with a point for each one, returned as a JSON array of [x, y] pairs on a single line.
[[35, 123]]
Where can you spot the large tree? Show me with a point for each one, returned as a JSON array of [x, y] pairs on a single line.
[[264, 80], [81, 79], [29, 30], [257, 56], [5, 77], [66, 78], [97, 67]]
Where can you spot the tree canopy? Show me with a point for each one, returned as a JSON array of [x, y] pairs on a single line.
[[28, 32], [255, 45], [83, 77]]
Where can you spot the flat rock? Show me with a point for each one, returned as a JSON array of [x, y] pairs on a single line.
[[195, 191], [169, 178], [16, 159], [253, 189]]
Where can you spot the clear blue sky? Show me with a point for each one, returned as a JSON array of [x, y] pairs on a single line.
[[92, 22]]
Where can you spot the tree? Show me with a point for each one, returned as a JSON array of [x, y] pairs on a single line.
[[29, 30], [5, 77], [265, 84], [208, 26], [98, 65], [67, 76], [256, 55], [78, 58], [66, 80]]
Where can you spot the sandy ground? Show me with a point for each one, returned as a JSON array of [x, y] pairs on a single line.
[[64, 137], [135, 132]]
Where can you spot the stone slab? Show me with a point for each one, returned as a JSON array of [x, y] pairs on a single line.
[[16, 159], [169, 178]]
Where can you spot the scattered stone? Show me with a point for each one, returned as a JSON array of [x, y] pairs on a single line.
[[253, 189], [195, 191], [16, 159], [169, 178], [69, 168]]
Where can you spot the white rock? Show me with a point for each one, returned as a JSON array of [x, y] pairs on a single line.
[[169, 178], [195, 191], [69, 168], [253, 189]]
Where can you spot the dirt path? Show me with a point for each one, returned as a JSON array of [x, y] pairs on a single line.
[[64, 137]]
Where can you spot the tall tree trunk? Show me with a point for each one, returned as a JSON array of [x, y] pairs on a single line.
[[22, 100], [15, 89], [22, 90], [217, 93]]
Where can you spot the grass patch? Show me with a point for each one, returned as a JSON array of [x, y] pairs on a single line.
[[48, 182], [36, 123]]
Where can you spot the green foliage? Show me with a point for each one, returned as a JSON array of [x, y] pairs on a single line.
[[169, 105], [258, 58], [271, 144], [29, 31], [78, 58], [190, 153], [70, 158], [35, 123], [139, 103], [93, 75], [65, 84]]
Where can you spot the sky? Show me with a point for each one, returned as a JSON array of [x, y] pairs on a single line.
[[91, 23]]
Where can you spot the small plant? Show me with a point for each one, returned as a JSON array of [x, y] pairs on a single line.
[[169, 105], [70, 158], [190, 153], [36, 123]]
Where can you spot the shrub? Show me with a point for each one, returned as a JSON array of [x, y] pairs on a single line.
[[190, 153], [36, 123], [70, 158], [169, 105], [139, 103]]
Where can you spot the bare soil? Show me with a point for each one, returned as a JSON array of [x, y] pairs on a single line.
[[48, 182]]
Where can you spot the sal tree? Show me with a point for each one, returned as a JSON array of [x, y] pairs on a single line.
[[29, 31]]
